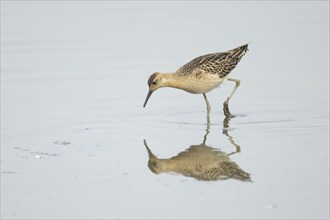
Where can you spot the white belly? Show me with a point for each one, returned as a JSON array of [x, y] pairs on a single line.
[[203, 86]]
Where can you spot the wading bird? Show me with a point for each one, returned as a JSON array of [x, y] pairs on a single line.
[[201, 75]]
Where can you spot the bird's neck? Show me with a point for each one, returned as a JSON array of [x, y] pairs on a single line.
[[171, 165], [173, 80]]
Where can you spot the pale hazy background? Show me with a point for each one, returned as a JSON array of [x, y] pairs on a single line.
[[73, 81]]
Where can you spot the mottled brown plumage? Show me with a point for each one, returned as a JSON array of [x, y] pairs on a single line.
[[200, 162], [215, 63], [201, 75]]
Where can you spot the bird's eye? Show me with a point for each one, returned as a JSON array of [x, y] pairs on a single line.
[[154, 82]]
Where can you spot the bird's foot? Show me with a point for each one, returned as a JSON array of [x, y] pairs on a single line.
[[226, 110]]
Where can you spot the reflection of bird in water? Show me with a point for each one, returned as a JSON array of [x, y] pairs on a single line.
[[201, 162], [201, 75]]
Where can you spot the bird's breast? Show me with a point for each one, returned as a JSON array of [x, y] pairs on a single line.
[[201, 85]]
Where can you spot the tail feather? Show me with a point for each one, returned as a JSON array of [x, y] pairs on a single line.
[[239, 52]]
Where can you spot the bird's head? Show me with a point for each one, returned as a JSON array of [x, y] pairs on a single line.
[[153, 162], [155, 81]]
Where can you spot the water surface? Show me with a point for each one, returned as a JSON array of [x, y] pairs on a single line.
[[73, 81]]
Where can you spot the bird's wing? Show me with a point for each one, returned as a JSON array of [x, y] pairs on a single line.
[[215, 63]]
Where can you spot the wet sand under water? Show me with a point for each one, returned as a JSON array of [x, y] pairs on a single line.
[[76, 142]]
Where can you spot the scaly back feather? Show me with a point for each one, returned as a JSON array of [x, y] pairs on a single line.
[[215, 63]]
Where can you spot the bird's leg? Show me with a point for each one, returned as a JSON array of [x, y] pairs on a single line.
[[225, 104], [207, 132], [230, 138], [208, 107]]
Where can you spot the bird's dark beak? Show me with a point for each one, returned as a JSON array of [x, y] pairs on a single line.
[[148, 96]]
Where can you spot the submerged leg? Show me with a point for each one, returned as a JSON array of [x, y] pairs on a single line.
[[225, 104], [207, 132], [208, 106], [230, 138]]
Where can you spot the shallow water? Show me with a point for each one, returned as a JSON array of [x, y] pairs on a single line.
[[73, 81]]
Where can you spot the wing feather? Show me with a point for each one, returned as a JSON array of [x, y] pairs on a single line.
[[215, 63]]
